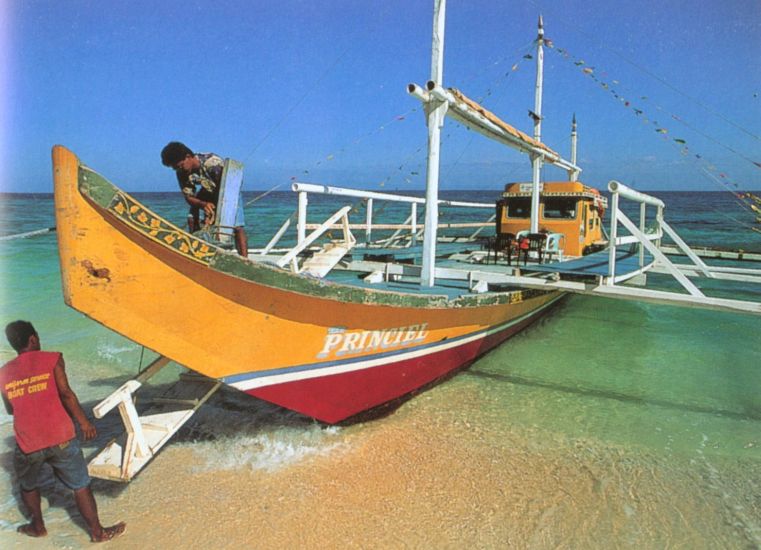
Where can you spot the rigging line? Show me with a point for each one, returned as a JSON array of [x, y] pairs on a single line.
[[663, 81], [740, 223], [739, 201], [521, 51], [261, 196], [526, 47], [661, 109], [684, 123], [708, 137], [309, 90], [496, 85], [28, 234], [299, 101]]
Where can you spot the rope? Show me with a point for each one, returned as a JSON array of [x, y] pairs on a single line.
[[258, 197], [27, 234]]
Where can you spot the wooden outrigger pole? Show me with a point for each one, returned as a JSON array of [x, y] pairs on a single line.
[[536, 159], [435, 112]]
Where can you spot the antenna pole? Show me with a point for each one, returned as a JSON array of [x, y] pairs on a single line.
[[573, 174], [536, 159], [435, 112]]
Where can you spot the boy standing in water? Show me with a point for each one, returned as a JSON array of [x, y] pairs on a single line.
[[36, 392]]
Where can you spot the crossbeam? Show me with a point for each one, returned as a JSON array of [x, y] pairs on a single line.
[[552, 281]]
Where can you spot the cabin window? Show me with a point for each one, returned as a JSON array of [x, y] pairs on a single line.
[[519, 207], [559, 208]]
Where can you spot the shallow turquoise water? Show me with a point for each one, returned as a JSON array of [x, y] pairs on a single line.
[[674, 384]]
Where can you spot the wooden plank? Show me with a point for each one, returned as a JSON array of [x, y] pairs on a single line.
[[324, 260], [707, 252], [227, 205]]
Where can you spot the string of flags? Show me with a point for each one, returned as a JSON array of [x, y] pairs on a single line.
[[641, 112], [409, 170]]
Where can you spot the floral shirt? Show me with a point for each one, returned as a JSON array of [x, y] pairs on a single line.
[[205, 183]]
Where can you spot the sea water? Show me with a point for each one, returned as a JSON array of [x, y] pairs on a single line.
[[598, 385]]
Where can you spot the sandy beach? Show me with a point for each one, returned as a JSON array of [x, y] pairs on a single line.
[[412, 480]]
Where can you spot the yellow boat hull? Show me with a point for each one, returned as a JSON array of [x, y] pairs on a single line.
[[324, 349]]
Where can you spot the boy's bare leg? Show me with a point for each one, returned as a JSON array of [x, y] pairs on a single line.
[[32, 501]]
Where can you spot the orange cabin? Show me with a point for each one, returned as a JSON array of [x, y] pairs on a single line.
[[566, 207]]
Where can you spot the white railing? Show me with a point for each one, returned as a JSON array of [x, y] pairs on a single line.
[[649, 241], [303, 189]]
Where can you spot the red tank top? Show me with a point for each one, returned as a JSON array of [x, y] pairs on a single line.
[[39, 418]]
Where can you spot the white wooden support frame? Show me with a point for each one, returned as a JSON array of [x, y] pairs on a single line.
[[144, 435], [617, 216]]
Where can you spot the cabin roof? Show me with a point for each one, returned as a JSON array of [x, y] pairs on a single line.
[[556, 189]]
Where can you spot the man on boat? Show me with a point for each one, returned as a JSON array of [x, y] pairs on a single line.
[[36, 392], [204, 172]]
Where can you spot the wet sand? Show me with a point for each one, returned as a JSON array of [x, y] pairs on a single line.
[[414, 481]]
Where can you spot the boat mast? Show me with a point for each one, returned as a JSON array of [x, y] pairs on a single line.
[[536, 159], [435, 112], [573, 174]]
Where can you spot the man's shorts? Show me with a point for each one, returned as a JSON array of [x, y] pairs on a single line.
[[66, 459]]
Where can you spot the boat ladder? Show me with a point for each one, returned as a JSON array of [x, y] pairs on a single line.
[[146, 434], [325, 259]]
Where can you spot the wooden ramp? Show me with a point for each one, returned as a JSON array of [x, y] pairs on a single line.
[[325, 259], [146, 434]]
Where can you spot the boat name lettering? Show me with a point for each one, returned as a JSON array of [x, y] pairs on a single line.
[[343, 343]]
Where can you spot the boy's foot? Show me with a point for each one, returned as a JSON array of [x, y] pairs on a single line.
[[108, 533], [31, 531]]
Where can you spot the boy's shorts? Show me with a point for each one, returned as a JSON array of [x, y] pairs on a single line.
[[66, 459]]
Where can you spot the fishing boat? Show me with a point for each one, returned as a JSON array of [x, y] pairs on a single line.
[[335, 327]]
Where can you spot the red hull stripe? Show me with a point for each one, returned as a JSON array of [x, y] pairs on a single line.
[[252, 380], [334, 398]]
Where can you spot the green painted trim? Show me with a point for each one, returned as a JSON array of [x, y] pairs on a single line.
[[142, 219], [96, 186]]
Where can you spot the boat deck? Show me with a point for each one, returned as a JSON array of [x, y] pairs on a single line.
[[449, 288], [595, 265], [587, 267]]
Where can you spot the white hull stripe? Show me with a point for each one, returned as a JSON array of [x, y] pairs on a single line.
[[260, 379]]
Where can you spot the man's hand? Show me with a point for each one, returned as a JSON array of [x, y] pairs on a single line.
[[88, 430], [208, 209]]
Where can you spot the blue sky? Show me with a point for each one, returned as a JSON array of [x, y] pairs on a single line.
[[316, 90]]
